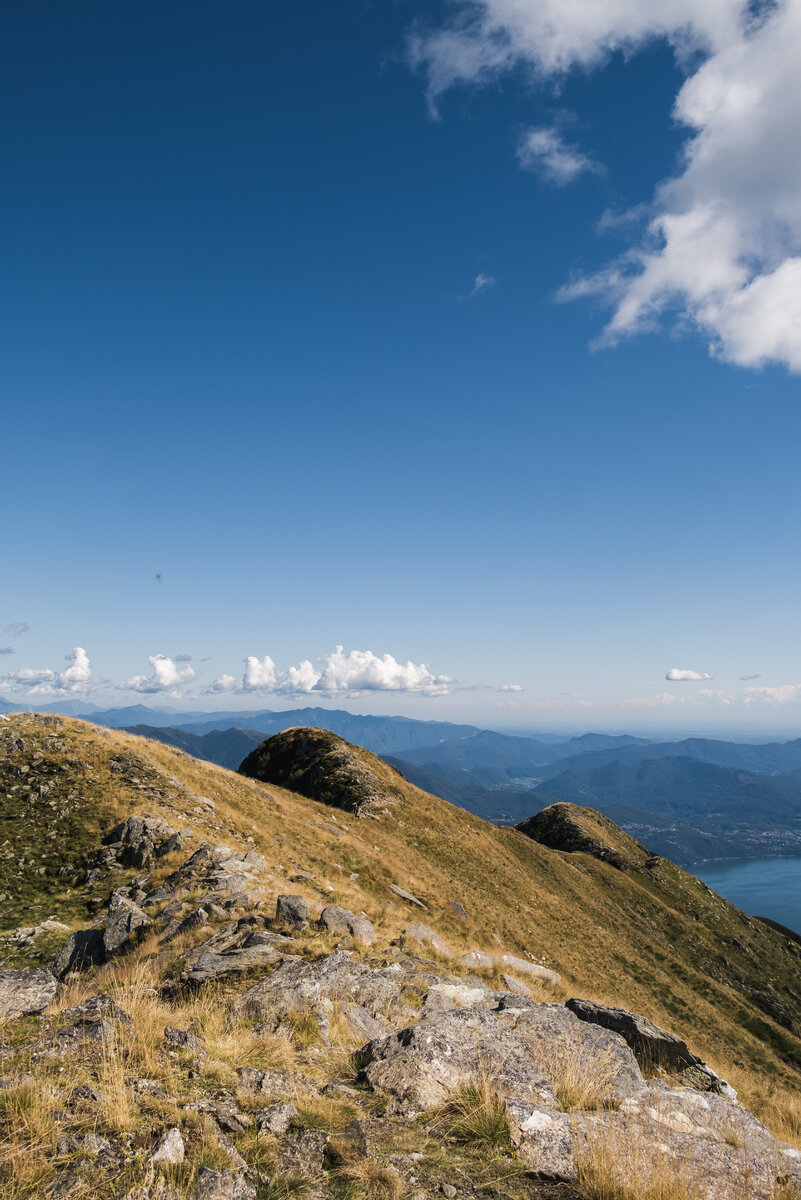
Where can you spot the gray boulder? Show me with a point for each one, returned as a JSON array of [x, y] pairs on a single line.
[[123, 919], [209, 966], [82, 949], [707, 1143], [521, 966], [276, 1118], [343, 921], [28, 991], [222, 1185], [291, 912], [303, 1153], [360, 992], [420, 938]]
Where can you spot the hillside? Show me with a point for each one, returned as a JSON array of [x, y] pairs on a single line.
[[636, 932]]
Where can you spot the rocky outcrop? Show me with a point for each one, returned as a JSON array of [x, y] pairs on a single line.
[[24, 992], [136, 841], [343, 921], [324, 767], [123, 919], [573, 829], [509, 962], [655, 1048]]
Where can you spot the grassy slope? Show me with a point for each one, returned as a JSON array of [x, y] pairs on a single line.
[[656, 941]]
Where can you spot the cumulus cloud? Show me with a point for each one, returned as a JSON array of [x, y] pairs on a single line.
[[223, 683], [544, 151], [680, 675], [45, 682], [28, 676], [337, 674], [78, 676], [363, 671], [166, 676], [260, 674], [723, 245], [510, 687], [301, 678]]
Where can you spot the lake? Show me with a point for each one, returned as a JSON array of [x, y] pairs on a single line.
[[763, 887]]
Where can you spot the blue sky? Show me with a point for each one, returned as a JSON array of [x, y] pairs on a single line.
[[303, 346]]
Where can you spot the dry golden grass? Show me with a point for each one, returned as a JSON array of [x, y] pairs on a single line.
[[476, 1115], [581, 1076], [365, 1178], [28, 1132], [635, 1171]]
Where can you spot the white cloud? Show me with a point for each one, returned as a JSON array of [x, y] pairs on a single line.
[[785, 694], [679, 675], [301, 678], [166, 676], [260, 674], [510, 687], [723, 247], [76, 678], [544, 151], [223, 683], [27, 676], [338, 673], [481, 283], [363, 671]]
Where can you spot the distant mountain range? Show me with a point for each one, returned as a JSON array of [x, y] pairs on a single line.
[[692, 799]]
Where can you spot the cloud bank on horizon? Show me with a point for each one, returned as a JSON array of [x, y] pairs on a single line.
[[358, 672], [722, 248]]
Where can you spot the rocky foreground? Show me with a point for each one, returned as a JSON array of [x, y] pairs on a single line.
[[198, 1041]]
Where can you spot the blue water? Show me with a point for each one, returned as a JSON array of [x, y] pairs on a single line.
[[763, 887]]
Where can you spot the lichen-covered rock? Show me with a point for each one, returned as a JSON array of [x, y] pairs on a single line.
[[291, 912], [170, 1149], [222, 1185], [276, 1118], [27, 991], [303, 1153], [343, 921], [135, 841], [124, 918], [707, 1143], [480, 958], [279, 1084], [419, 1068], [421, 938], [97, 1019]]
